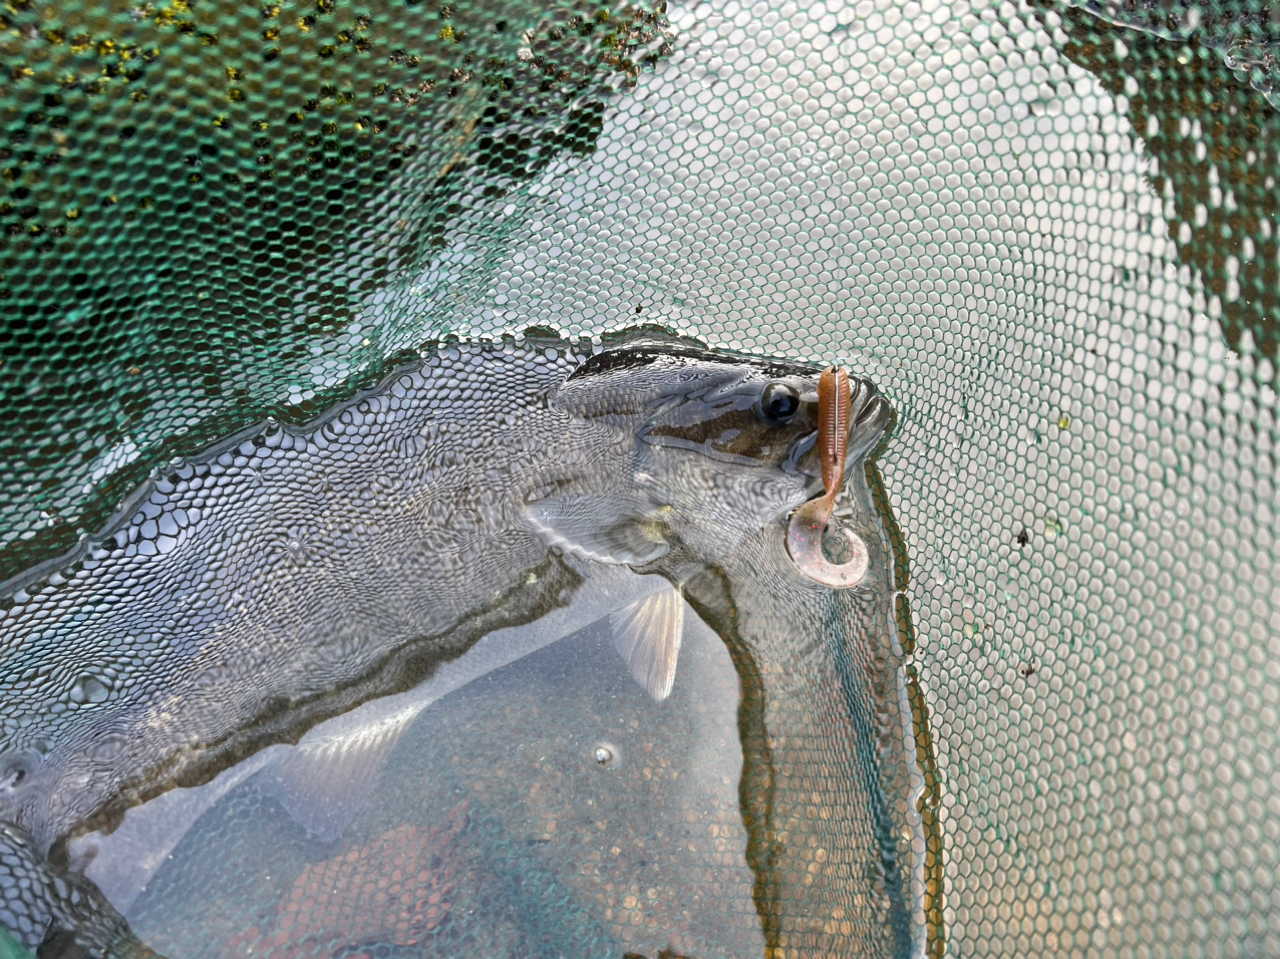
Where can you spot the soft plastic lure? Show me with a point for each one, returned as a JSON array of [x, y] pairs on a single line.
[[804, 534]]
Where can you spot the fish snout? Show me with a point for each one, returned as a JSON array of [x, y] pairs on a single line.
[[869, 415]]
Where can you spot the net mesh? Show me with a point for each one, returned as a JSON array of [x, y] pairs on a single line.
[[1047, 233]]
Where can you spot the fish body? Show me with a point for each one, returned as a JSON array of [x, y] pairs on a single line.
[[289, 576]]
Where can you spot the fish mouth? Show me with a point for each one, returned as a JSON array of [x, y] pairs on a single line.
[[870, 415]]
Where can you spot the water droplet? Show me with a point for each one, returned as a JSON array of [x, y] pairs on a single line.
[[606, 755], [15, 769], [295, 546]]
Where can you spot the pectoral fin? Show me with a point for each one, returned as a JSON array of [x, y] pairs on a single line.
[[647, 635], [602, 529], [323, 785]]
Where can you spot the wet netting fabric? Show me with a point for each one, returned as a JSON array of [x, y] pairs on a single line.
[[1046, 232]]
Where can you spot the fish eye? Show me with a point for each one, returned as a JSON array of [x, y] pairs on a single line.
[[779, 403]]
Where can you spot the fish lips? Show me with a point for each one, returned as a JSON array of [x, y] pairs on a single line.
[[870, 418]]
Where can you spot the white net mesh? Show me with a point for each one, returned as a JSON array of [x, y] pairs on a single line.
[[1084, 470]]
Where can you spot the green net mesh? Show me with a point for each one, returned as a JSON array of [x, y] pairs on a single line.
[[217, 212], [1048, 233]]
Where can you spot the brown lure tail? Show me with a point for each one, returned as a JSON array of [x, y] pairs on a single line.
[[804, 532]]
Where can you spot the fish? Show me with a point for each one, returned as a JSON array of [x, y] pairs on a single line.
[[293, 576]]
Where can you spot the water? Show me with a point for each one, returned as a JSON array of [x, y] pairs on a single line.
[[535, 847], [291, 679]]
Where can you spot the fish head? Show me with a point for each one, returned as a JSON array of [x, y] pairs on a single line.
[[718, 446]]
